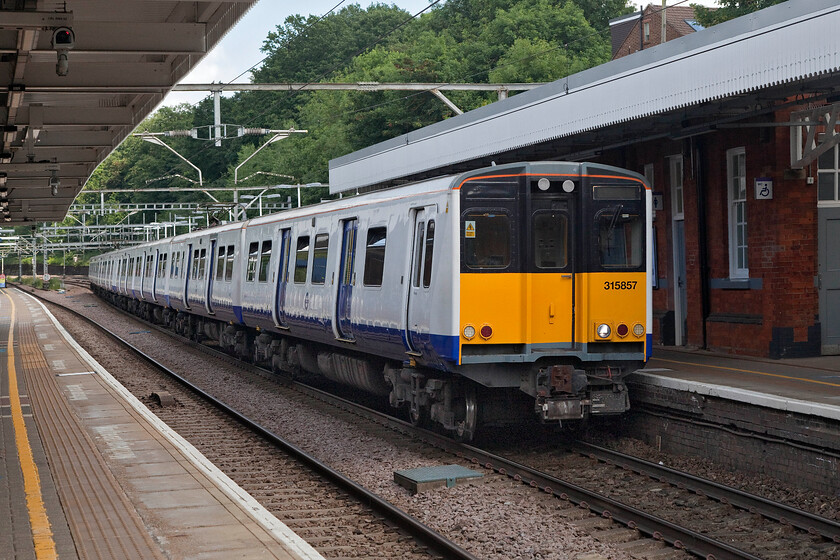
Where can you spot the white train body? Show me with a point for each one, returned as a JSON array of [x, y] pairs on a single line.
[[370, 291]]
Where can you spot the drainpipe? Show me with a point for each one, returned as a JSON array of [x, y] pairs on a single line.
[[703, 245]]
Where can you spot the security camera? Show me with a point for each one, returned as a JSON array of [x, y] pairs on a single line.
[[55, 182], [63, 40]]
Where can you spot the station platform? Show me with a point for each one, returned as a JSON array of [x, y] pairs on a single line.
[[755, 416], [87, 471], [808, 386]]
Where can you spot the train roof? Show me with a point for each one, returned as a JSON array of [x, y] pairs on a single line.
[[437, 184]]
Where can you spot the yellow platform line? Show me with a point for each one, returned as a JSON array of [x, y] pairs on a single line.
[[749, 371], [42, 535]]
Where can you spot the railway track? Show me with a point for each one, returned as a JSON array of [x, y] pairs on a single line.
[[338, 517], [739, 525]]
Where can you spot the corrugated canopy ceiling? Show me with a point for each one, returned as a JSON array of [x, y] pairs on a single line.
[[61, 120]]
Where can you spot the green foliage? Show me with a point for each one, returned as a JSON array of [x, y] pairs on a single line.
[[729, 9], [456, 41]]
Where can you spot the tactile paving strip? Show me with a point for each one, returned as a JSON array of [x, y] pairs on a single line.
[[102, 520]]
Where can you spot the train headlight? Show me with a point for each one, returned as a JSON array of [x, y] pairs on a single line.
[[638, 329], [486, 331], [603, 330], [469, 332]]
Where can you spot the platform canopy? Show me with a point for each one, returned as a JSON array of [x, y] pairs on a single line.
[[77, 76], [741, 70]]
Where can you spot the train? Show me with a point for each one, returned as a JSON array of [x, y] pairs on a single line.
[[492, 297]]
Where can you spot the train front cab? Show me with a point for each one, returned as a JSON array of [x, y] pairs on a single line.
[[554, 291]]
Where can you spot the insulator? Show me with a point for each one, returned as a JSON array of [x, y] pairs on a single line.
[[184, 133], [243, 131]]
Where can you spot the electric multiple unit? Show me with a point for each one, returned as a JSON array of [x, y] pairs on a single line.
[[506, 293]]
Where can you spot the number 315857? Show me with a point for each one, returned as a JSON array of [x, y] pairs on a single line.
[[620, 285]]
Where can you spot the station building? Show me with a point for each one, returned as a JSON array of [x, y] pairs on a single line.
[[736, 127]]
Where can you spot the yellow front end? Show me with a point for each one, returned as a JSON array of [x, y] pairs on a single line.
[[515, 309], [617, 300], [537, 310]]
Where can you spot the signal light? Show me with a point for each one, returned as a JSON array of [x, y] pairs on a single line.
[[469, 332], [622, 330], [486, 332]]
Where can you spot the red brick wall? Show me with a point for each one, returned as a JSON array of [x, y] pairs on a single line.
[[782, 241]]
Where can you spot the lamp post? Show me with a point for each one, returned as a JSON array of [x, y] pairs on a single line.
[[153, 139]]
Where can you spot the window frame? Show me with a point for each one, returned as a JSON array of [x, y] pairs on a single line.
[[833, 172], [511, 239], [221, 261], [253, 261], [736, 170], [372, 257], [565, 234], [428, 252], [229, 263], [319, 265], [301, 267], [265, 261]]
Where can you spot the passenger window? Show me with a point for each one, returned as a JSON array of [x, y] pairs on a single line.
[[430, 248], [375, 257], [265, 258], [203, 261], [301, 259], [229, 265], [620, 238], [319, 258], [418, 253], [253, 260], [220, 264], [196, 265], [487, 240], [550, 240]]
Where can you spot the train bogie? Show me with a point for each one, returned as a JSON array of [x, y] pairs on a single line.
[[510, 291]]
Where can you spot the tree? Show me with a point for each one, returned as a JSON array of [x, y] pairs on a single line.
[[729, 9]]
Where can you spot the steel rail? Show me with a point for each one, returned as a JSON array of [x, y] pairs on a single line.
[[813, 524], [422, 532], [648, 524]]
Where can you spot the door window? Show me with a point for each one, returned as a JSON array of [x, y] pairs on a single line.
[[551, 240]]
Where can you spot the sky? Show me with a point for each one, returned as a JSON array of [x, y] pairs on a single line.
[[240, 48]]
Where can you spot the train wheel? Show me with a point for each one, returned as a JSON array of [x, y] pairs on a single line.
[[466, 422], [418, 416]]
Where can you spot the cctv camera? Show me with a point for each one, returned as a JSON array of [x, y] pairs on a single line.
[[55, 182], [63, 40]]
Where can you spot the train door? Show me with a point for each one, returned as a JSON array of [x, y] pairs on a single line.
[[210, 276], [188, 264], [419, 303], [155, 266], [552, 285], [282, 279], [346, 279]]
